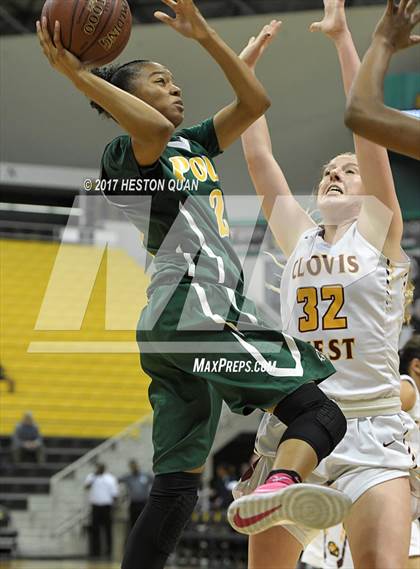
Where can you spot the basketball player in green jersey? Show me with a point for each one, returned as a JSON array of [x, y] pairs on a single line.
[[200, 339]]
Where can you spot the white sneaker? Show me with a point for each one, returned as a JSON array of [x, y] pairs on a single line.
[[280, 500]]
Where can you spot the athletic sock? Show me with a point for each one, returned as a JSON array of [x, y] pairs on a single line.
[[291, 473]]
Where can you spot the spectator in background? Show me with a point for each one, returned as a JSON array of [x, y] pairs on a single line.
[[27, 438], [138, 486], [410, 377], [103, 490], [10, 382], [223, 484]]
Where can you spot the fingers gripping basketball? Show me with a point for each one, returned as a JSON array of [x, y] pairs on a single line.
[[95, 31]]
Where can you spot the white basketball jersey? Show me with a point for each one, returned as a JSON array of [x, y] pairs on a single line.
[[347, 300]]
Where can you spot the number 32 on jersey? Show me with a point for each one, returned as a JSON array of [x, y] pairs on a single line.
[[331, 319]]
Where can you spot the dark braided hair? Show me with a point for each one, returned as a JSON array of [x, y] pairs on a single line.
[[119, 75], [409, 352]]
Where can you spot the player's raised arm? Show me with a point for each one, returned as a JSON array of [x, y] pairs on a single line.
[[149, 129], [267, 176], [373, 162], [366, 112], [252, 100]]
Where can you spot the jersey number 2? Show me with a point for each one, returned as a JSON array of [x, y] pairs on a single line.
[[308, 296], [217, 203]]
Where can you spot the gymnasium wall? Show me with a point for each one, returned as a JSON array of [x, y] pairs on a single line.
[[46, 121]]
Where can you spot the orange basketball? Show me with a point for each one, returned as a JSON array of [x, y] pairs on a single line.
[[96, 31]]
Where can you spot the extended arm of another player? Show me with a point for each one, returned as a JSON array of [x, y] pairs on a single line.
[[368, 116], [278, 203], [287, 219], [374, 166], [147, 126], [366, 113], [373, 161]]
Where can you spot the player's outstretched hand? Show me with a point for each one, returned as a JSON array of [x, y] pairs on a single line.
[[59, 57], [257, 45], [334, 23], [188, 20], [397, 24]]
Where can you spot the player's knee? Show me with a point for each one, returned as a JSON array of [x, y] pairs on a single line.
[[312, 417], [175, 519], [306, 398], [332, 419], [154, 537], [177, 495]]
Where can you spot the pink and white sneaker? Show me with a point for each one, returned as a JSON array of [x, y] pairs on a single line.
[[281, 500]]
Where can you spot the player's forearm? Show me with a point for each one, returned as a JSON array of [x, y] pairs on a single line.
[[256, 141], [256, 144], [372, 158], [365, 102], [135, 116], [367, 152], [249, 91], [266, 173], [366, 113], [285, 216], [369, 82], [348, 57], [384, 126]]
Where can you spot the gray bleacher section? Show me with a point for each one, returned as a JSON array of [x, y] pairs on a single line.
[[55, 521]]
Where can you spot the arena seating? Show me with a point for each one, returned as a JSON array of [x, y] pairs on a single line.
[[208, 540], [19, 481], [70, 394]]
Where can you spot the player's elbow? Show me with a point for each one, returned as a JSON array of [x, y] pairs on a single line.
[[256, 107], [163, 130], [355, 114], [265, 104], [166, 132], [261, 105], [350, 119], [149, 145], [159, 132]]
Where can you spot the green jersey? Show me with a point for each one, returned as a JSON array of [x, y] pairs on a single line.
[[201, 340], [178, 206]]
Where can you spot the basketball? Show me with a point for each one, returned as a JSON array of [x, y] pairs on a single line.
[[95, 31]]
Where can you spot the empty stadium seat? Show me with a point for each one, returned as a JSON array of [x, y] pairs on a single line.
[[71, 394]]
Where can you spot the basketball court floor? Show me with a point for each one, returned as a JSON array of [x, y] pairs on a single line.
[[56, 564]]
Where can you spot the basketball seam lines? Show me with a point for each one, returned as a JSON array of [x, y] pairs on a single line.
[[75, 6], [98, 33]]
